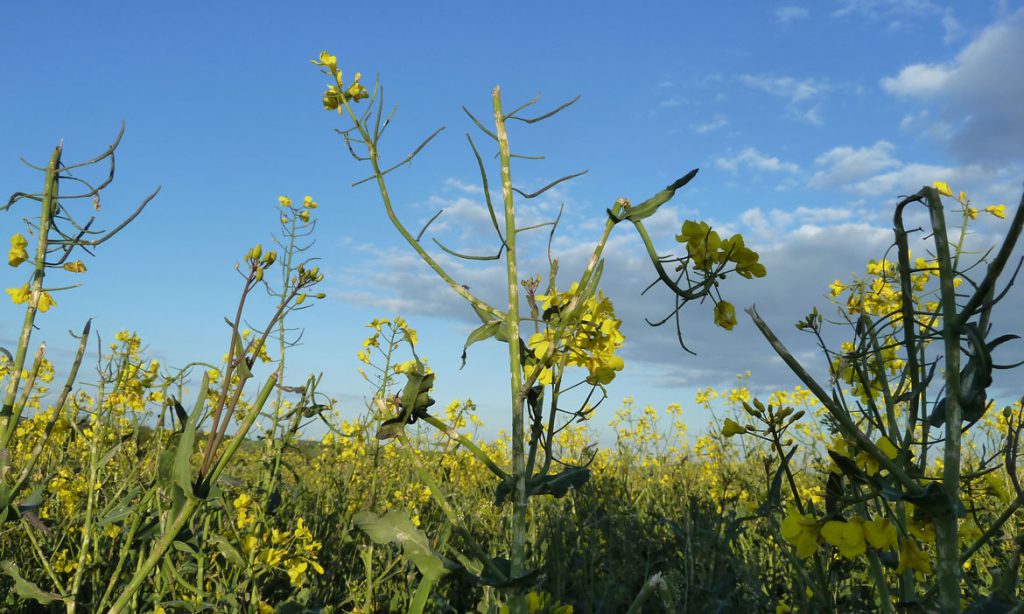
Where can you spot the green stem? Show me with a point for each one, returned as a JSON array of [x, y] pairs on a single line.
[[466, 443], [946, 538], [8, 416], [517, 554]]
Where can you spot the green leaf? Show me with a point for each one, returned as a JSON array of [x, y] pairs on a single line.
[[396, 527], [414, 400], [935, 502], [182, 469], [185, 547], [110, 454], [26, 589], [239, 355], [488, 330], [650, 206], [556, 485], [226, 548], [521, 582], [116, 514], [290, 607], [486, 317], [774, 498], [180, 412], [849, 468]]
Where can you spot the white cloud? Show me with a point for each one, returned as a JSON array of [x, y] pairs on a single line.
[[951, 26], [786, 14], [912, 120], [718, 121], [802, 96], [752, 158], [978, 92], [892, 10], [876, 171], [907, 179], [849, 164], [918, 80], [796, 90], [461, 186]]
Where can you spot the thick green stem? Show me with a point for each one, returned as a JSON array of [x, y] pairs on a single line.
[[946, 537], [8, 416], [517, 554]]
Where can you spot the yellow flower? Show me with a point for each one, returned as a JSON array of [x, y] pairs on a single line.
[[19, 295], [886, 447], [836, 288], [17, 255], [972, 213], [733, 428], [329, 60], [725, 315], [911, 557], [309, 203], [997, 210], [943, 188], [847, 536], [75, 267], [801, 531], [45, 302], [285, 201], [296, 571], [880, 533]]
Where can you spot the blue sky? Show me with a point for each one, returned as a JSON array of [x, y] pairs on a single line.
[[807, 121]]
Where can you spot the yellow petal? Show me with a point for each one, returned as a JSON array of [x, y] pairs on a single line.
[[997, 210], [17, 254]]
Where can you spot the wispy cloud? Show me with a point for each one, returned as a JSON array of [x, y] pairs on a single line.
[[786, 14], [802, 96], [752, 158], [716, 122]]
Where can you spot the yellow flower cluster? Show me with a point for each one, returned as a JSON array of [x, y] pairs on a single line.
[[998, 211], [707, 250], [338, 94], [294, 552], [589, 340], [23, 295], [850, 537]]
